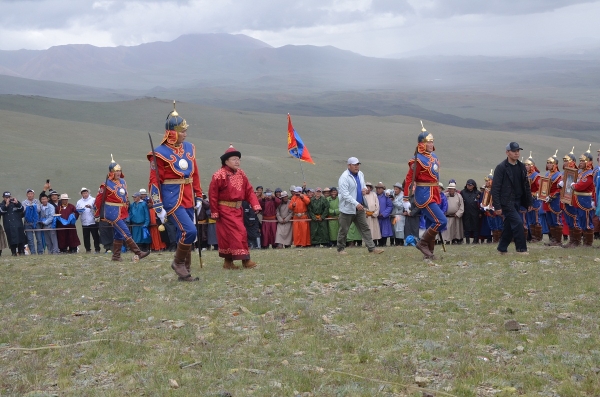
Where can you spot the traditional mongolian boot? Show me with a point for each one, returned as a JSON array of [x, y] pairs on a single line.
[[116, 256], [228, 264], [423, 244], [248, 263], [178, 263], [577, 234], [555, 236], [539, 232], [571, 243], [588, 238], [133, 247]]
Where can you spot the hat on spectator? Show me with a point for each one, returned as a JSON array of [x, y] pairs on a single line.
[[319, 189], [452, 185], [6, 194], [136, 194], [30, 190], [398, 185], [333, 189], [284, 194], [368, 184], [53, 192], [143, 191], [380, 185], [353, 161], [298, 189], [278, 190], [441, 185], [84, 189], [64, 196], [327, 189], [513, 146]]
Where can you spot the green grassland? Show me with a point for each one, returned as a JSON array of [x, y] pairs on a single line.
[[70, 142], [304, 322]]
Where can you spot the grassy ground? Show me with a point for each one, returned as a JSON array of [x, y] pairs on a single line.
[[305, 322]]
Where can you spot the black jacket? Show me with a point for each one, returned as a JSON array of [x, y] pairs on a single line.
[[503, 186]]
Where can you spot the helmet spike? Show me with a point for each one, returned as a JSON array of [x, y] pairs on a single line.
[[112, 160], [492, 171], [589, 148], [174, 112], [423, 127]]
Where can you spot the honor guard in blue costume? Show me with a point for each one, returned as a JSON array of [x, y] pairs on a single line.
[[535, 216], [569, 210], [175, 189], [424, 171], [583, 190], [552, 201], [111, 205]]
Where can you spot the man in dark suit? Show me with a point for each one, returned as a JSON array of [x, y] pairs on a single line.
[[510, 191]]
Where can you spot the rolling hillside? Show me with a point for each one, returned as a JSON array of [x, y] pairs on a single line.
[[70, 142]]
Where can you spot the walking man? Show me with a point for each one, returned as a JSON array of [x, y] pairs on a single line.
[[351, 188], [510, 190]]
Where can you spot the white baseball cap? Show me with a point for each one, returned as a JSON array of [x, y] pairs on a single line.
[[353, 160]]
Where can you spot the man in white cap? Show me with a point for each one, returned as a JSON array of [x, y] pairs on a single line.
[[351, 188], [85, 207], [456, 207]]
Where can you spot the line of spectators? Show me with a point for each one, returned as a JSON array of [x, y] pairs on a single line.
[[303, 217]]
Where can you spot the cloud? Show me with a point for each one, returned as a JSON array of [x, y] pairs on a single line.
[[449, 8], [372, 27]]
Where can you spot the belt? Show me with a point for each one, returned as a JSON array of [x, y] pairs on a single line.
[[232, 204], [184, 181], [202, 222], [318, 216], [582, 193], [427, 184], [116, 204], [269, 218], [299, 213]]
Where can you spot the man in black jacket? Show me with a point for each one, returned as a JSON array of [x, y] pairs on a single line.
[[510, 191]]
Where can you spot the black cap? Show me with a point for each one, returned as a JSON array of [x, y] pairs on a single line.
[[513, 146]]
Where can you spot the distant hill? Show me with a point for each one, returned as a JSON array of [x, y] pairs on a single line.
[[238, 61]]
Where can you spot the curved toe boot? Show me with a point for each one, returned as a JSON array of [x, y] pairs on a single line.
[[228, 264], [178, 264], [248, 264], [133, 247]]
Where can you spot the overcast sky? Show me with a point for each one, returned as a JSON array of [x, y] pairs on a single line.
[[368, 27]]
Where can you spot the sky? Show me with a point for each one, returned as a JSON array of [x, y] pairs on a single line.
[[370, 27]]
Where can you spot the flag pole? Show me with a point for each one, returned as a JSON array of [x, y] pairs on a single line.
[[302, 169]]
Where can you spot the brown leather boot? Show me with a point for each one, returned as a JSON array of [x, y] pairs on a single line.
[[577, 233], [588, 238], [539, 231], [570, 244], [228, 264], [423, 244], [133, 247], [248, 263], [116, 249], [555, 235], [178, 264]]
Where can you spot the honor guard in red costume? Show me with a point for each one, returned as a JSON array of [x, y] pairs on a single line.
[[583, 191], [111, 205], [552, 202], [228, 188], [534, 223], [176, 192], [495, 222], [569, 210], [423, 178]]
